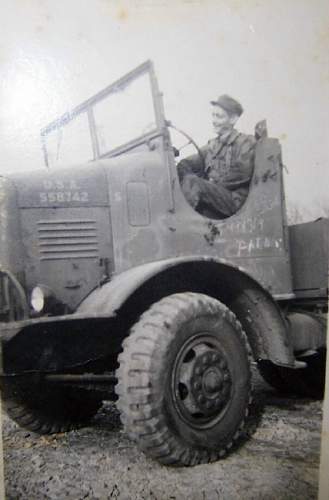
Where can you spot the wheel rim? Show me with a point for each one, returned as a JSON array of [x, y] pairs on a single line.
[[201, 381]]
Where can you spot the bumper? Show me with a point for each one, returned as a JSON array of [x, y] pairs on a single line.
[[56, 343]]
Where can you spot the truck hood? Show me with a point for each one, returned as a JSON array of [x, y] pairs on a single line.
[[74, 186], [71, 186]]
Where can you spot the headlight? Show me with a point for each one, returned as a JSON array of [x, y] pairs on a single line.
[[38, 299], [42, 299]]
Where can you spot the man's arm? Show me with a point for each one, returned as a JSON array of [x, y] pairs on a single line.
[[192, 165]]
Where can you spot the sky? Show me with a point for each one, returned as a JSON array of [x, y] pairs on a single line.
[[270, 55]]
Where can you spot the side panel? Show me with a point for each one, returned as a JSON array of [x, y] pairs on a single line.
[[140, 194], [310, 257], [67, 249], [255, 237]]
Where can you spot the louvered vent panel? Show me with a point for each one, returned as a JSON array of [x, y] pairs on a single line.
[[64, 239]]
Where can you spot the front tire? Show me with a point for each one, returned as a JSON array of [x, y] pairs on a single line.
[[49, 409], [184, 381]]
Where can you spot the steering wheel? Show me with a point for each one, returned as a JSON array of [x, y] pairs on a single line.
[[189, 141]]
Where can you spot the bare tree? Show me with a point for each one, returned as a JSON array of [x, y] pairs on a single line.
[[296, 213], [323, 208]]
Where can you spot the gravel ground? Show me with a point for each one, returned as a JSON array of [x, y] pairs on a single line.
[[279, 461]]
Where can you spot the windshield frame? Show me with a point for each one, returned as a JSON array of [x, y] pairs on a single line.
[[88, 105]]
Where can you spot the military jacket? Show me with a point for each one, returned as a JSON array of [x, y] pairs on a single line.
[[228, 160]]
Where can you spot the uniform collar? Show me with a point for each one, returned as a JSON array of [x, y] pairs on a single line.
[[216, 144], [228, 137]]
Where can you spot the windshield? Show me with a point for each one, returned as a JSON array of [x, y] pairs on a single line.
[[119, 117]]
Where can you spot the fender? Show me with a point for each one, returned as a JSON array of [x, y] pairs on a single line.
[[258, 312], [103, 319]]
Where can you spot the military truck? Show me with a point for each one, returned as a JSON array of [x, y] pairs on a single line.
[[114, 287]]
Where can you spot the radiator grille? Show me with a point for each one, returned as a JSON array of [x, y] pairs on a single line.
[[65, 239]]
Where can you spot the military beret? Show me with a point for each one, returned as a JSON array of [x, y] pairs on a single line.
[[230, 105]]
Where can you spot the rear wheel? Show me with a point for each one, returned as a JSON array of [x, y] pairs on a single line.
[[47, 409], [308, 381], [184, 381]]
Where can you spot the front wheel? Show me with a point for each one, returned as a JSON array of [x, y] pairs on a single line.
[[184, 381], [48, 409]]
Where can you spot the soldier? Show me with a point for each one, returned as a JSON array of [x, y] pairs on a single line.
[[216, 183]]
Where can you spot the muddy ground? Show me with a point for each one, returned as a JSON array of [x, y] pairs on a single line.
[[279, 461]]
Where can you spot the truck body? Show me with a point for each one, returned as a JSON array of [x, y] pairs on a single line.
[[87, 248]]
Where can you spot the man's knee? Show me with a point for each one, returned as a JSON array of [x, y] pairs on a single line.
[[191, 189]]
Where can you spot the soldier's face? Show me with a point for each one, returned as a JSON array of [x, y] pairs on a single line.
[[221, 120]]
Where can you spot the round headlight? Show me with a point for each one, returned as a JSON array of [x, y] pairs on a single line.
[[37, 299]]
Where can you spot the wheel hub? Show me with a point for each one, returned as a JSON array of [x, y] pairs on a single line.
[[211, 382], [202, 381]]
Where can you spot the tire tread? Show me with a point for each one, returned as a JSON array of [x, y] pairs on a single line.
[[151, 432]]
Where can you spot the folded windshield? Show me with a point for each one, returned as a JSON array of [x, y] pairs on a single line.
[[114, 120]]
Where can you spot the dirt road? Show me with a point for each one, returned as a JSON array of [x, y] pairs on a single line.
[[279, 461]]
